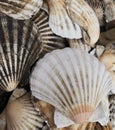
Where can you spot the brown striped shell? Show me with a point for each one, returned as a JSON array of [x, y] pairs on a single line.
[[20, 45]]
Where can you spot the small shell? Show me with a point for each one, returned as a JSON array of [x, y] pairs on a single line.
[[81, 13], [112, 110], [70, 81], [99, 50], [108, 59], [60, 22], [20, 9], [20, 45], [21, 115], [110, 11], [98, 7], [49, 39]]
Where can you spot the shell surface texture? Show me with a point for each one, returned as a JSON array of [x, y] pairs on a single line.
[[20, 9], [112, 110], [50, 40], [21, 114], [72, 84], [20, 46]]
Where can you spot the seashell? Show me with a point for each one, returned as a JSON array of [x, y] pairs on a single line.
[[21, 114], [49, 39], [2, 121], [60, 22], [112, 110], [20, 9], [108, 59], [70, 76], [98, 7], [20, 45], [79, 43], [107, 37], [46, 110], [109, 10], [99, 50], [99, 127], [81, 13]]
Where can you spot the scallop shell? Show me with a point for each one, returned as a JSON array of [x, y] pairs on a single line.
[[49, 39], [112, 110], [20, 45], [70, 81], [98, 7], [21, 115], [20, 9], [81, 13], [108, 59], [60, 22], [79, 43]]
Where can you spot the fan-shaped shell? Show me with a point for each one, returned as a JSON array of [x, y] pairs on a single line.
[[20, 44], [20, 9], [112, 110], [81, 13], [79, 43], [21, 115], [49, 39], [98, 7], [72, 84], [60, 22]]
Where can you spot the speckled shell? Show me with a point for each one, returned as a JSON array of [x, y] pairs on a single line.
[[20, 9], [66, 72], [112, 110], [20, 45], [49, 39]]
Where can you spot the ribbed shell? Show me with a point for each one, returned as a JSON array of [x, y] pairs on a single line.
[[78, 43], [49, 39], [112, 110], [20, 9], [81, 13], [98, 7], [20, 44], [60, 22], [75, 82], [21, 115]]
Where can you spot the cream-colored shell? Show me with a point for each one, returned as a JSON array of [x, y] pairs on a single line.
[[75, 83], [20, 9]]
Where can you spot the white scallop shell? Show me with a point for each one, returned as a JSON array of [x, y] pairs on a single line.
[[21, 114], [49, 39], [73, 81], [112, 110], [20, 9], [20, 45], [60, 22]]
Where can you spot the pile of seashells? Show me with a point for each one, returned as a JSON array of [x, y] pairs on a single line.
[[57, 64]]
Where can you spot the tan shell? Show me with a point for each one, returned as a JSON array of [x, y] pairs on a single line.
[[60, 22], [20, 9], [98, 7], [81, 13]]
